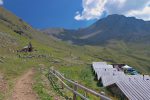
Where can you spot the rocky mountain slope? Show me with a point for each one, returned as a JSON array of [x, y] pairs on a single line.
[[113, 27]]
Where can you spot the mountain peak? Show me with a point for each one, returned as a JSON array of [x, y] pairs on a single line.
[[116, 15], [117, 18]]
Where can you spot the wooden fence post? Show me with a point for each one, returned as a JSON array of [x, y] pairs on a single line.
[[62, 85], [74, 95], [85, 93]]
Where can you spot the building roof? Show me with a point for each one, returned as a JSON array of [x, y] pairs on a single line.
[[99, 65], [135, 87]]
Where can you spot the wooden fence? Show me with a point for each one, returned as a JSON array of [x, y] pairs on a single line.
[[74, 90]]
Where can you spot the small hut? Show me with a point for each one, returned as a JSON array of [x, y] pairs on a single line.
[[27, 48]]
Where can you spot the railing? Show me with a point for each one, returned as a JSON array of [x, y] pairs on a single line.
[[61, 78]]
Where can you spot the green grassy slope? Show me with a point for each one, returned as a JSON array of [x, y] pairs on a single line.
[[74, 61], [49, 51]]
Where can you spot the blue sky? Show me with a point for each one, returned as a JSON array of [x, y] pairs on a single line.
[[48, 13], [72, 14]]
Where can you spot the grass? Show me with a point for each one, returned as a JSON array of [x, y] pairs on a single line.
[[1, 96], [83, 75], [40, 89]]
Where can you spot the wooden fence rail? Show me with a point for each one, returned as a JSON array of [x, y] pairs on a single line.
[[61, 78]]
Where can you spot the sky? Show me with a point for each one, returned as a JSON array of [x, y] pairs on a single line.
[[73, 14]]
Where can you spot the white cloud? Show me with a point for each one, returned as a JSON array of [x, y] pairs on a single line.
[[94, 9], [1, 2], [91, 9], [142, 14]]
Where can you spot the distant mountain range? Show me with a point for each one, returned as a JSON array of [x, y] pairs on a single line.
[[113, 27]]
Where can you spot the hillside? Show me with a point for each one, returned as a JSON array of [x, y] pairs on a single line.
[[72, 60]]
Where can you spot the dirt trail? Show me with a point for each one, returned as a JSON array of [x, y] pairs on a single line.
[[23, 87], [3, 84]]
